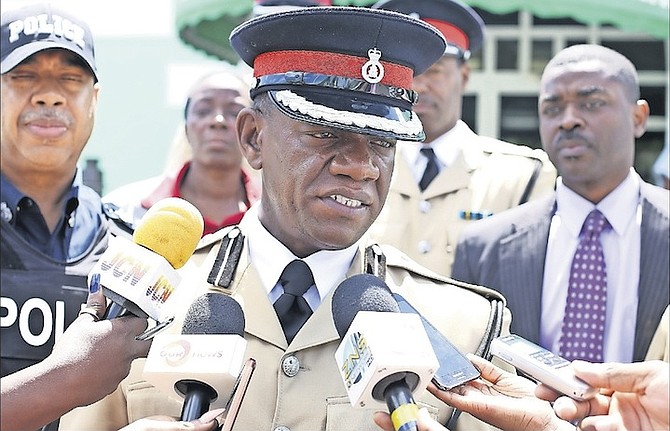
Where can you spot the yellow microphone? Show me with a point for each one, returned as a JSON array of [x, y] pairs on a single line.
[[140, 276], [172, 228]]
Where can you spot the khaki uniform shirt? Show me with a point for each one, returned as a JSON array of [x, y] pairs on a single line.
[[315, 398], [660, 344], [486, 177]]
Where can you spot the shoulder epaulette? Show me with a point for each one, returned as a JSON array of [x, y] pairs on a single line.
[[397, 258], [118, 226], [495, 146], [213, 237]]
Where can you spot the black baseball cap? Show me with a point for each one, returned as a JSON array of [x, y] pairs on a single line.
[[39, 26], [461, 26], [344, 67]]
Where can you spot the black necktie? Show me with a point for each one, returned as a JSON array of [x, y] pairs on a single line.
[[432, 168], [292, 309]]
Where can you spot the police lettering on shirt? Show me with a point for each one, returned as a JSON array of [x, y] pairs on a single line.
[[36, 307], [40, 24]]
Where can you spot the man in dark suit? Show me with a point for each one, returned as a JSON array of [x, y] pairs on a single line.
[[590, 114]]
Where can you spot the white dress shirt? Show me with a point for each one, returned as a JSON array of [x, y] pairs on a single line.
[[621, 247], [270, 257], [446, 147]]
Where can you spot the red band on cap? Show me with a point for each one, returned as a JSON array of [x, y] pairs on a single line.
[[453, 34], [327, 63]]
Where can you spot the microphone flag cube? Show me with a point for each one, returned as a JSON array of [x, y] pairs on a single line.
[[212, 359], [382, 344], [137, 279]]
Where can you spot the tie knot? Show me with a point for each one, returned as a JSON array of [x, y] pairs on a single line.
[[296, 278], [429, 153], [595, 223]]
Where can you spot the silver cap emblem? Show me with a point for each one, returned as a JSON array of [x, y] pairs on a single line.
[[373, 70]]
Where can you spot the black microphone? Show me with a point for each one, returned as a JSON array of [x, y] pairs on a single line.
[[385, 356], [200, 365]]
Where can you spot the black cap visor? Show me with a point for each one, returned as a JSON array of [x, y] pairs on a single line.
[[349, 110]]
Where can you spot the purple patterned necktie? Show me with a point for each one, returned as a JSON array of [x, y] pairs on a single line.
[[586, 305]]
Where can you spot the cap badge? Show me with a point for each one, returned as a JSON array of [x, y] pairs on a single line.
[[373, 70]]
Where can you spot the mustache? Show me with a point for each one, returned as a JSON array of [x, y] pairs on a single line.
[[571, 135], [48, 114]]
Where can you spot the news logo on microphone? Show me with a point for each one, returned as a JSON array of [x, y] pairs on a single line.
[[379, 345], [137, 278], [140, 276], [215, 359], [201, 365], [357, 359]]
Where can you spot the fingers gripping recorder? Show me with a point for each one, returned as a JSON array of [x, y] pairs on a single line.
[[140, 277]]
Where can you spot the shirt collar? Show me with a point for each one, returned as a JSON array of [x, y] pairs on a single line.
[[11, 196], [446, 147], [619, 206], [329, 267]]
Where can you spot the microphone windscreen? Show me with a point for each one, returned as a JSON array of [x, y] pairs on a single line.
[[214, 313], [361, 292], [171, 228]]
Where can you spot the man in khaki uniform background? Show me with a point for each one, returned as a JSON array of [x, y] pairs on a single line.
[[475, 176], [325, 140]]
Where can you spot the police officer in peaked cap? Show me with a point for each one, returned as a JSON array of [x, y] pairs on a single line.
[[455, 177], [332, 96]]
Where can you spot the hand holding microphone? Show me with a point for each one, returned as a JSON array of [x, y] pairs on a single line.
[[139, 277], [200, 365], [385, 356], [210, 421], [87, 363]]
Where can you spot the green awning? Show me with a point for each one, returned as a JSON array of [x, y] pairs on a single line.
[[646, 16], [206, 24]]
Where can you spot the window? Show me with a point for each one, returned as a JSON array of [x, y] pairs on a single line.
[[541, 54], [656, 98], [556, 21], [645, 55], [519, 121], [507, 55], [647, 149], [469, 111]]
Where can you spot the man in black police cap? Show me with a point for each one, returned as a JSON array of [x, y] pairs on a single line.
[[455, 176], [332, 96], [52, 226]]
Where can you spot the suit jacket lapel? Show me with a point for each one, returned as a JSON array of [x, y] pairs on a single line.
[[521, 257], [654, 257]]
